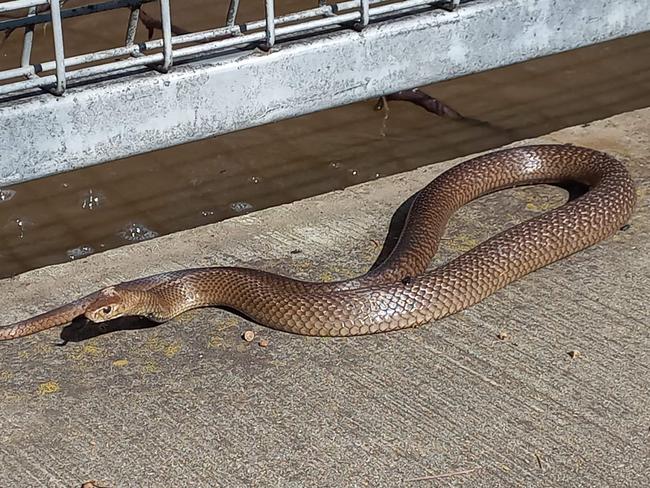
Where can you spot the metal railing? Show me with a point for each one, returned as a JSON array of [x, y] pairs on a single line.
[[162, 53], [240, 74]]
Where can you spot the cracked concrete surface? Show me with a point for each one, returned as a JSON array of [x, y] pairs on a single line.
[[490, 396]]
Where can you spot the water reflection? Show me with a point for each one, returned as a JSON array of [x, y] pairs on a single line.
[[137, 232], [80, 252], [16, 227], [241, 207], [6, 195], [92, 200]]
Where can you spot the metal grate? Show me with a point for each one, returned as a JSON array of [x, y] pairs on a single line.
[[164, 52], [115, 104]]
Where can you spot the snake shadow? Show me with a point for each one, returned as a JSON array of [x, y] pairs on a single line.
[[82, 329]]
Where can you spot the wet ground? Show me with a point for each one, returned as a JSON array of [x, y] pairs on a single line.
[[75, 214], [542, 384]]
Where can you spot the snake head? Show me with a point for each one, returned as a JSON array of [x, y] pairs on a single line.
[[108, 305]]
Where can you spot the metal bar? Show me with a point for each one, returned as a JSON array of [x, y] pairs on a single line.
[[59, 55], [69, 62], [365, 15], [232, 12], [69, 12], [270, 24], [393, 8], [20, 4], [240, 89], [28, 39], [132, 27], [293, 17], [93, 71], [16, 73], [328, 10], [195, 37], [166, 21], [319, 23]]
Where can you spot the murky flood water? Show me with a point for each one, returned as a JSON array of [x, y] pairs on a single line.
[[72, 215]]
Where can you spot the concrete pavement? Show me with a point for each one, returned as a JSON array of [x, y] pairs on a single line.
[[543, 384]]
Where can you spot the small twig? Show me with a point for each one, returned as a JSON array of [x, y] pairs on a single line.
[[439, 108], [417, 97], [539, 461], [444, 475], [426, 101]]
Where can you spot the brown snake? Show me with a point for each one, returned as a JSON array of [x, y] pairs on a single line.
[[399, 293]]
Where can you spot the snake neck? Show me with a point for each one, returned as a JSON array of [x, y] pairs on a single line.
[[161, 297]]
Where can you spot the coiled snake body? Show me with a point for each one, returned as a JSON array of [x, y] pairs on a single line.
[[399, 293]]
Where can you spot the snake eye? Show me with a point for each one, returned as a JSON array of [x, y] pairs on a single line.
[[107, 310]]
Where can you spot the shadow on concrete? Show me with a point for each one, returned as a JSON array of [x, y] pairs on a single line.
[[82, 329]]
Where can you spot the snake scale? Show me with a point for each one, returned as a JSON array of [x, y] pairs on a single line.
[[400, 292]]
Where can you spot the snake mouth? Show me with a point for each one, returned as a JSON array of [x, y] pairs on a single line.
[[103, 314]]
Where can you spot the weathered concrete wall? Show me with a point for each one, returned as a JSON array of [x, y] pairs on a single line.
[[189, 403]]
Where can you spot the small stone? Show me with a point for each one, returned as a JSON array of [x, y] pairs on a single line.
[[249, 335], [264, 343], [503, 335], [573, 354]]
